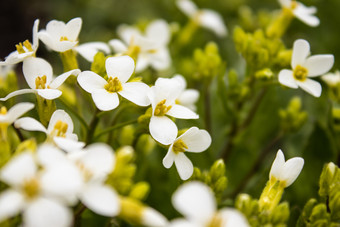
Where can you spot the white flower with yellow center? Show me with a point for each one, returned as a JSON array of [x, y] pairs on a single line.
[[105, 92], [39, 77], [38, 193], [193, 140], [196, 202], [302, 12], [25, 49], [204, 17], [149, 49], [305, 67], [95, 162], [285, 172], [163, 100], [59, 36], [187, 97], [59, 130]]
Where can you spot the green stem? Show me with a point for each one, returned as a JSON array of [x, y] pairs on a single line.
[[207, 107], [69, 60], [92, 127], [114, 128]]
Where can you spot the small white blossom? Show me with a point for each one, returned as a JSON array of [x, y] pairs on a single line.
[[59, 130], [285, 172], [302, 12], [151, 49], [39, 77], [8, 117], [332, 79], [193, 140], [196, 202], [90, 49], [25, 49], [105, 92], [59, 36], [163, 101], [187, 97], [204, 17], [305, 67]]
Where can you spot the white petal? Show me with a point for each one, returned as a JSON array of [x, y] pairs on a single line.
[[101, 199], [332, 79], [91, 81], [68, 144], [11, 203], [61, 79], [188, 98], [158, 31], [169, 158], [46, 212], [60, 115], [181, 80], [14, 57], [136, 92], [291, 170], [195, 201], [46, 38], [19, 169], [311, 86], [17, 110], [182, 223], [160, 60], [35, 40], [163, 130], [48, 155], [286, 78], [152, 218], [121, 67], [55, 28], [277, 166], [17, 92], [104, 100], [118, 46], [184, 166], [319, 64], [305, 15], [143, 61], [36, 67], [89, 50], [285, 3], [182, 112], [127, 33], [72, 28], [232, 217], [167, 89], [187, 7], [29, 124], [213, 21], [301, 50], [197, 140], [49, 94]]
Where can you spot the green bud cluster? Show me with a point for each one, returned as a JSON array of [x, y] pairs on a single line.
[[215, 178], [98, 64], [292, 118]]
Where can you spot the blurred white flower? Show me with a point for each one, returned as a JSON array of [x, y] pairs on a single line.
[[59, 36], [90, 49], [304, 67], [163, 101], [204, 17], [39, 77], [285, 172], [302, 12], [59, 130], [193, 140], [332, 79], [196, 202], [25, 49], [150, 49], [187, 97], [105, 92]]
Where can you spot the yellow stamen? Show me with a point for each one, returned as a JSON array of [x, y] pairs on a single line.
[[293, 5], [3, 110], [63, 38], [31, 188], [40, 82], [179, 146], [300, 73], [28, 45], [113, 85], [161, 109], [21, 49], [216, 221], [60, 129]]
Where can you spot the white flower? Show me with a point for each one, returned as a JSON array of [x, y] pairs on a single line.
[[59, 36], [38, 193], [59, 130], [163, 100], [302, 12], [95, 162], [305, 67], [196, 202], [8, 117], [152, 218], [39, 77], [204, 17], [193, 140], [187, 97], [105, 92], [151, 49], [89, 50], [285, 172], [332, 79], [25, 49]]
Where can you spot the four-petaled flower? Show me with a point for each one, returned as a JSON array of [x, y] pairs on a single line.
[[105, 92], [193, 140], [204, 17], [305, 67], [187, 97]]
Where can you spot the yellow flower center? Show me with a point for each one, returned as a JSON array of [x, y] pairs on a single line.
[[3, 110], [179, 146], [300, 73], [31, 188], [293, 5], [216, 221], [86, 172], [60, 129], [64, 38], [26, 44], [40, 82], [161, 109], [113, 85]]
